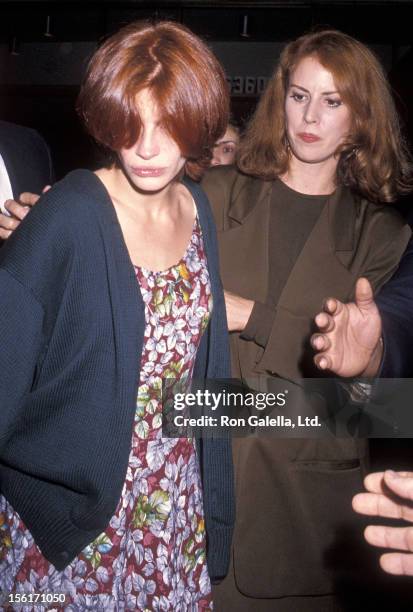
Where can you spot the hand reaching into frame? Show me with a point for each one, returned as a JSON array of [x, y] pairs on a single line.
[[390, 495], [17, 209], [349, 339]]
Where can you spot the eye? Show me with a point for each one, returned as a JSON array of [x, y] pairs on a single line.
[[229, 149], [298, 97], [333, 102]]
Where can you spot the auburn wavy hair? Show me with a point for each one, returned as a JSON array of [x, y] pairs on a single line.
[[185, 79], [374, 160]]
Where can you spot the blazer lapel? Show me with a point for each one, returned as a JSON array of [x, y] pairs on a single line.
[[247, 195], [243, 245]]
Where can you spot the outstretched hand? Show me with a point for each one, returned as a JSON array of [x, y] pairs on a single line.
[[390, 495], [349, 337], [17, 210]]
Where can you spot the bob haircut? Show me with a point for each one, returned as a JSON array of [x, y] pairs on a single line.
[[185, 79], [374, 160]]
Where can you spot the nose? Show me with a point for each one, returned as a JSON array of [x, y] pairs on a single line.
[[147, 146], [311, 112], [215, 161]]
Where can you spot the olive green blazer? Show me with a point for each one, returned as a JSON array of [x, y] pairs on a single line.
[[295, 533]]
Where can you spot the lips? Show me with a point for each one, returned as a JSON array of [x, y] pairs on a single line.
[[144, 171], [307, 137]]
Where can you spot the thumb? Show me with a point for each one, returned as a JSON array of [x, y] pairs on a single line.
[[364, 294], [46, 188]]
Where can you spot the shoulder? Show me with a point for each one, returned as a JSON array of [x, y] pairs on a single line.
[[226, 186], [221, 180], [222, 175], [79, 192], [383, 221], [60, 214], [382, 238], [63, 227]]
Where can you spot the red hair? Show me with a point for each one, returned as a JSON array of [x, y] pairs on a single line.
[[184, 78]]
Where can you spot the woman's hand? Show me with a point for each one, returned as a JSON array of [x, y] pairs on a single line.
[[238, 311]]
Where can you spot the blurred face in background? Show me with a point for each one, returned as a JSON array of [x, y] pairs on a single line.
[[225, 148]]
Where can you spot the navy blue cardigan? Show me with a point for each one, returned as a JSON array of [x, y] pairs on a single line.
[[71, 328]]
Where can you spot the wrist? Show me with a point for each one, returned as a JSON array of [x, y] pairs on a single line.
[[375, 360]]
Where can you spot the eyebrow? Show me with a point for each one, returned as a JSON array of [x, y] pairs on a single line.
[[324, 93], [220, 142]]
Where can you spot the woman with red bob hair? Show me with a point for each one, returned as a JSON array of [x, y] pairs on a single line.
[[116, 277]]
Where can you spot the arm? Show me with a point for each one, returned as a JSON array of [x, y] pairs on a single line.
[[33, 264], [21, 333], [390, 495]]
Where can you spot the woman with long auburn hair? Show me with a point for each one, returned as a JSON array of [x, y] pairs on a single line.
[[305, 213], [115, 274]]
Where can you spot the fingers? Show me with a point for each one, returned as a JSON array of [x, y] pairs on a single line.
[[400, 483], [332, 306], [30, 199], [399, 538], [379, 504], [323, 362], [324, 322], [374, 482], [16, 209], [7, 226], [363, 293], [376, 504], [46, 189], [398, 564]]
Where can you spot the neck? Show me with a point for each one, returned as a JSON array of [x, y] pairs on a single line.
[[311, 179], [124, 194]]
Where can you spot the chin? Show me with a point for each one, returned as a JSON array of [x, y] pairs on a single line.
[[309, 157], [149, 184]]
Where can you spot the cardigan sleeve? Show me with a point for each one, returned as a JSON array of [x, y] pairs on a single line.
[[21, 341]]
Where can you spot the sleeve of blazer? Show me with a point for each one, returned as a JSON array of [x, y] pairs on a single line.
[[395, 302]]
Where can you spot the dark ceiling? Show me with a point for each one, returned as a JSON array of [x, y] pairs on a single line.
[[83, 20]]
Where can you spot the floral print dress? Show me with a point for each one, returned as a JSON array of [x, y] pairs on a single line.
[[152, 554]]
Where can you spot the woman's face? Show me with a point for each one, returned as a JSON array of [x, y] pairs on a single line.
[[317, 120], [154, 161], [225, 148]]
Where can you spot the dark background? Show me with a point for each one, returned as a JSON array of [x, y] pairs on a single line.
[[40, 73]]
